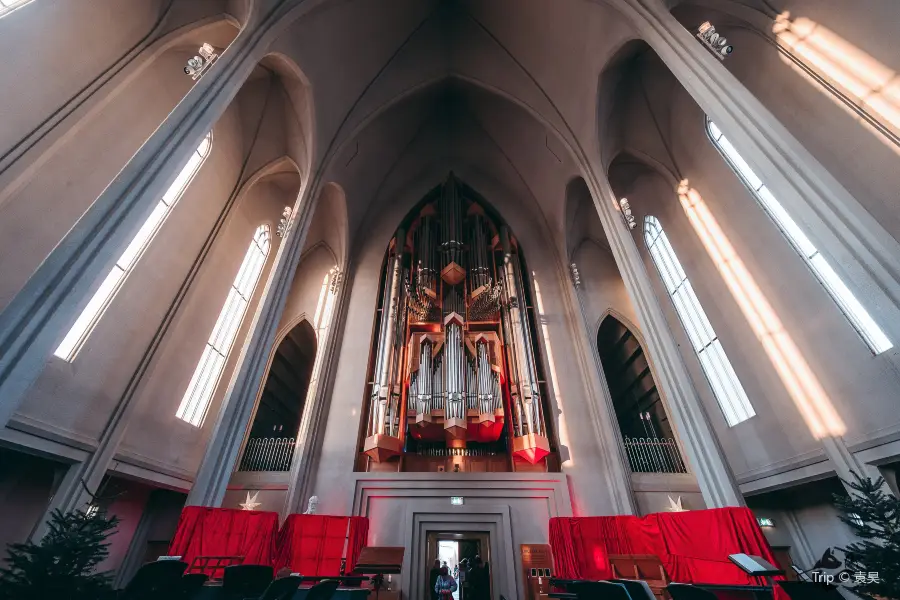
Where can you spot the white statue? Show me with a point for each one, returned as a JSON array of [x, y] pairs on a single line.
[[312, 506]]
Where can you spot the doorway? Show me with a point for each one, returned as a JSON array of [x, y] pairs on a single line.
[[456, 549]]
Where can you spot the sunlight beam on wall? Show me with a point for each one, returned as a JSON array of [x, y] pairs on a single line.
[[867, 81], [807, 393], [562, 431]]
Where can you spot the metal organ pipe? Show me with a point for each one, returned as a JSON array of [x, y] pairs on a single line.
[[487, 380], [425, 276], [383, 405], [424, 375], [454, 356], [451, 221], [471, 389], [437, 397], [527, 395], [479, 270]]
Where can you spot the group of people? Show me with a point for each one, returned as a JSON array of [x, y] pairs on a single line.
[[474, 580]]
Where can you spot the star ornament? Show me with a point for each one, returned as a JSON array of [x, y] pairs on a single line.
[[251, 503], [675, 505]]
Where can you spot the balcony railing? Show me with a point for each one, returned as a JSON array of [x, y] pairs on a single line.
[[268, 454], [654, 455]]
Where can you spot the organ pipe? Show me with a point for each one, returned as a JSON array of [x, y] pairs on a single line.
[[384, 401], [471, 389], [479, 269], [455, 329], [424, 391], [525, 390], [451, 224], [455, 387], [488, 382]]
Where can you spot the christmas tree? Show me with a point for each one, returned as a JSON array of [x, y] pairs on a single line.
[[874, 517], [64, 564]]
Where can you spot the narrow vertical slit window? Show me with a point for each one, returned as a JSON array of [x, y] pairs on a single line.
[[723, 380], [206, 377], [852, 308], [93, 312], [7, 6]]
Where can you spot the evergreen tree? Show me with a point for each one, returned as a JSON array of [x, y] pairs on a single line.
[[874, 517], [63, 566]]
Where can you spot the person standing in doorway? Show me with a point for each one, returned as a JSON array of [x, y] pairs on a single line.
[[433, 575], [463, 573], [445, 585], [479, 581]]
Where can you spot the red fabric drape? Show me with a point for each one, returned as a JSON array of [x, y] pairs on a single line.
[[205, 531], [564, 552], [699, 544], [307, 544], [359, 533], [693, 545], [312, 544]]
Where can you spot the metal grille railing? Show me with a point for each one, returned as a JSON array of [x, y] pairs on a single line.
[[442, 451], [654, 455], [268, 454]]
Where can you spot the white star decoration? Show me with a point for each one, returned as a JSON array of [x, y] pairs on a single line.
[[251, 502], [675, 505]]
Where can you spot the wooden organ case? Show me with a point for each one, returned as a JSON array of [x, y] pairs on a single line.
[[454, 379]]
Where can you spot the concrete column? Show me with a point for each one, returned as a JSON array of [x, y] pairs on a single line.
[[315, 413], [859, 248], [620, 488], [37, 318], [237, 407], [705, 457]]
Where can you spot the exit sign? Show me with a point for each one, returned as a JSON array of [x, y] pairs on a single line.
[[765, 522], [456, 500]]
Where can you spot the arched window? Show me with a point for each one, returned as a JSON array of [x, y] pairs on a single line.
[[90, 316], [724, 381], [7, 6], [212, 362], [855, 312]]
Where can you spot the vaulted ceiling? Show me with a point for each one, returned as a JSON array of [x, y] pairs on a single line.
[[503, 92]]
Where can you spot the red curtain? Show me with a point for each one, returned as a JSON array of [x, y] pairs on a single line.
[[313, 544], [358, 534], [563, 544], [693, 545], [307, 544], [205, 531]]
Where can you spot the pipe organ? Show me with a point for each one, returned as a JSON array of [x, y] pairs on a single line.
[[454, 360]]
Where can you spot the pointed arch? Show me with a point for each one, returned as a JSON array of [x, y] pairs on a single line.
[[647, 434], [282, 398]]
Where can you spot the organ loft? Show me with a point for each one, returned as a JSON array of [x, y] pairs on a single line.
[[455, 379]]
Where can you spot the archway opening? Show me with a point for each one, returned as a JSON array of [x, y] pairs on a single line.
[[270, 446], [646, 432]]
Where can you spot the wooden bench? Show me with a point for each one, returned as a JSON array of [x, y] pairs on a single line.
[[647, 567]]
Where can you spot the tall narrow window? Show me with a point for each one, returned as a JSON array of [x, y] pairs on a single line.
[[212, 362], [856, 313], [10, 5], [90, 316], [724, 381]]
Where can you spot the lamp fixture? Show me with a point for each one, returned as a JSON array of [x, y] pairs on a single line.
[[576, 276], [201, 62], [284, 225], [716, 43], [625, 207]]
